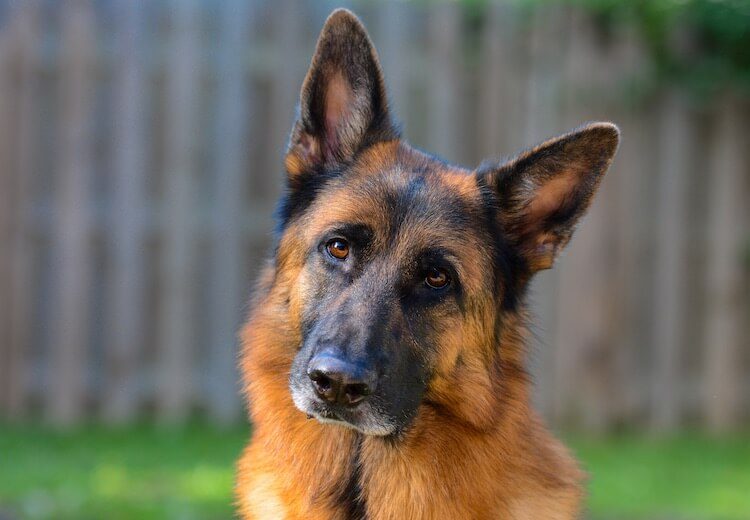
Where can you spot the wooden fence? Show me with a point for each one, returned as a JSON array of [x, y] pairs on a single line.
[[140, 157]]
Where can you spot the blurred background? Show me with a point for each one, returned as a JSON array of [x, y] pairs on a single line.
[[140, 161]]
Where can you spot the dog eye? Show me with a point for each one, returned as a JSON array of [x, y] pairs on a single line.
[[338, 248], [436, 278]]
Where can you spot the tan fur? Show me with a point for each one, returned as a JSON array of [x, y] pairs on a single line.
[[475, 449]]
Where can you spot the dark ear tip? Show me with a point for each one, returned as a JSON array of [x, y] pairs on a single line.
[[607, 134], [342, 17]]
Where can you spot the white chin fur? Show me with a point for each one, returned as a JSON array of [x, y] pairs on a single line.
[[370, 426]]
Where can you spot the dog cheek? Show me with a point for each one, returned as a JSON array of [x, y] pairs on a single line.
[[304, 301], [451, 341], [462, 370], [437, 341]]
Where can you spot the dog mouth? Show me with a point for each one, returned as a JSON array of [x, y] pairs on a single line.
[[326, 415], [364, 420]]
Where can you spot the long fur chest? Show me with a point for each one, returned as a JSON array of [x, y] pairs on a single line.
[[308, 470]]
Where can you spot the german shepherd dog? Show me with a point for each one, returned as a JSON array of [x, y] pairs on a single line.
[[384, 358]]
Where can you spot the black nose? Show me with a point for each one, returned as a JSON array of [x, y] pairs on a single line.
[[340, 382]]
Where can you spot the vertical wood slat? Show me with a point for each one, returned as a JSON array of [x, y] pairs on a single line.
[[544, 77], [628, 175], [643, 212], [445, 125], [728, 226], [177, 268], [127, 290], [26, 38], [71, 240], [393, 22], [227, 282], [492, 92], [631, 176], [669, 288], [500, 83], [286, 79], [8, 177]]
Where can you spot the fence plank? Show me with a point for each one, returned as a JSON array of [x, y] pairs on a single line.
[[226, 265], [630, 174], [501, 92], [126, 243], [728, 226], [25, 38], [630, 178], [588, 272], [71, 241], [391, 42], [8, 176], [175, 335], [669, 288], [444, 82], [288, 17]]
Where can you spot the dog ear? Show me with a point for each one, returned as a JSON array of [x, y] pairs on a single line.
[[343, 105], [543, 192]]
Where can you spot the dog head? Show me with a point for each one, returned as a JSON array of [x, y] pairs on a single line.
[[401, 269]]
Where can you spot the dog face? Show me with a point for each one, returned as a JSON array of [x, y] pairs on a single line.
[[396, 252], [400, 268]]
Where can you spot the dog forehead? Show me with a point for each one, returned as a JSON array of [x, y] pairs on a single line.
[[398, 199]]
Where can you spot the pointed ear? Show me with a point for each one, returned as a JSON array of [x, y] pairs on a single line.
[[543, 193], [343, 104]]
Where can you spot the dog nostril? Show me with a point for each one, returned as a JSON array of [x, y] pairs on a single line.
[[320, 380], [354, 393], [324, 386]]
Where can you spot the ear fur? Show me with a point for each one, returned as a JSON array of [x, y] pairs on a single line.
[[343, 105], [543, 192]]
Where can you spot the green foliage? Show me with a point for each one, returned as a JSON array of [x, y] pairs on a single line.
[[148, 472], [703, 45]]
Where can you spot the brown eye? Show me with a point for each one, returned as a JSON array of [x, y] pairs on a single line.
[[436, 278], [338, 248]]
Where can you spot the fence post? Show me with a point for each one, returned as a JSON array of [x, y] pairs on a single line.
[[501, 82], [675, 144], [445, 119], [71, 240], [728, 227], [227, 282], [23, 43], [391, 43], [8, 179], [175, 378], [127, 240], [632, 175], [286, 75]]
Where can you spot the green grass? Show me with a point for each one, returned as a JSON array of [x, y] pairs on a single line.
[[138, 472], [688, 477], [147, 472]]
